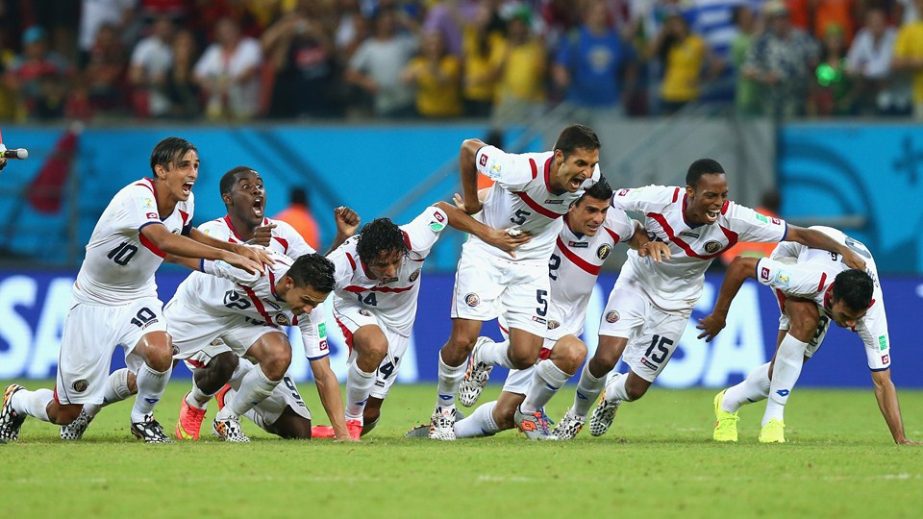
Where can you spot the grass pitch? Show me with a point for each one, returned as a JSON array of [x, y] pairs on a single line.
[[657, 460]]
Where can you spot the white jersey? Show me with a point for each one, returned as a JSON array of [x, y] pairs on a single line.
[[575, 264], [522, 198], [393, 302], [285, 239], [676, 283], [811, 277], [258, 302], [120, 262]]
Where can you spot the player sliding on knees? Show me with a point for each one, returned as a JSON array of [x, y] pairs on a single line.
[[813, 287], [116, 297], [650, 304]]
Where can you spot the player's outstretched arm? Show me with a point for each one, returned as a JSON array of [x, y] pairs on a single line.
[[656, 250], [329, 391], [739, 270], [347, 222], [178, 245], [257, 254], [499, 238], [469, 174], [818, 240], [886, 394]]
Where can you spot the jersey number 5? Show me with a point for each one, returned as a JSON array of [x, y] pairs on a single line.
[[520, 217]]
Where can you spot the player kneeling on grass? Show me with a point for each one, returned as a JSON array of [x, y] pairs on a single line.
[[813, 287]]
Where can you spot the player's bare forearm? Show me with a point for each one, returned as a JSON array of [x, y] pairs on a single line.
[[817, 240], [201, 237], [462, 221], [469, 173], [191, 263], [328, 389], [347, 223], [257, 254], [739, 270], [886, 394], [180, 245]]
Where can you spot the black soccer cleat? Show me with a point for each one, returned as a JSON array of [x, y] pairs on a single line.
[[10, 421], [149, 430]]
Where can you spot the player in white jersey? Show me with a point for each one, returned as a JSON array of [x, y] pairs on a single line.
[[650, 304], [116, 297], [813, 287], [531, 193], [378, 280]]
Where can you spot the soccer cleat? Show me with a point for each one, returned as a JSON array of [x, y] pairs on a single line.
[[569, 426], [442, 424], [221, 394], [149, 430], [418, 432], [189, 424], [74, 430], [773, 432], [725, 422], [354, 428], [322, 432], [476, 376], [536, 426], [603, 416], [10, 421], [229, 430]]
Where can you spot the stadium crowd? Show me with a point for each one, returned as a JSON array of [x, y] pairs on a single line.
[[237, 60]]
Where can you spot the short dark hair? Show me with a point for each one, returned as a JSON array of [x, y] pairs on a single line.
[[702, 167], [169, 150], [312, 270], [577, 136], [600, 191], [228, 179], [378, 236], [854, 287]]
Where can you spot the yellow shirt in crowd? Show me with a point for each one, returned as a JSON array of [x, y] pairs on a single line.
[[683, 70], [524, 74], [909, 44], [435, 98], [478, 84]]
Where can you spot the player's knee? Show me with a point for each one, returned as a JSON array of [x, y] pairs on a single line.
[[462, 342], [276, 362], [604, 360], [293, 427], [372, 352], [569, 354], [802, 327], [522, 358], [65, 414], [160, 356]]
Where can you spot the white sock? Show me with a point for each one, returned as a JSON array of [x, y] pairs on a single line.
[[449, 379], [197, 398], [116, 390], [496, 353], [546, 381], [243, 367], [254, 388], [480, 423], [358, 385], [151, 385], [752, 389], [615, 389], [785, 372], [256, 417], [33, 403], [588, 390]]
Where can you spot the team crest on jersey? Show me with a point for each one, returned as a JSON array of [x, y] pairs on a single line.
[[612, 317], [472, 300], [79, 386], [414, 275], [282, 320], [603, 251], [712, 247], [552, 324]]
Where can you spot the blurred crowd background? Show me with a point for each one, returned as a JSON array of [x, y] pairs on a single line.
[[239, 60]]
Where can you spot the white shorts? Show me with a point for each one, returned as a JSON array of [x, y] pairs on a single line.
[[350, 317], [91, 333], [284, 395], [823, 324], [652, 332], [487, 286]]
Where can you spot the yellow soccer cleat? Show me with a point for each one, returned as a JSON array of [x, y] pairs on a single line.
[[725, 422], [773, 432]]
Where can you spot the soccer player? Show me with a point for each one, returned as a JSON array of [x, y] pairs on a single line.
[[813, 287], [531, 194], [116, 297], [650, 304]]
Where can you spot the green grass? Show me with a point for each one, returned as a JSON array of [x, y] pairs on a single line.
[[656, 461]]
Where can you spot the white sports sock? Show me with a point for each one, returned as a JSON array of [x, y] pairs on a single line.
[[243, 367], [116, 390], [449, 379], [615, 388], [151, 385], [546, 381], [588, 390], [785, 372], [254, 388], [197, 398], [752, 389], [33, 403], [496, 353], [480, 423], [253, 414], [358, 385]]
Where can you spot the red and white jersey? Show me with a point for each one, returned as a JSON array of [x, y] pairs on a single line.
[[258, 302], [285, 239], [676, 283], [120, 262], [795, 270], [575, 265], [522, 198], [394, 301]]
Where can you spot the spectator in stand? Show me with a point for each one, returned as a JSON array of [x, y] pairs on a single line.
[[228, 73], [448, 18], [683, 55], [105, 72], [908, 58], [815, 16], [782, 61], [868, 62], [521, 90], [182, 89], [377, 64], [151, 61], [351, 29], [484, 50], [746, 96], [832, 90], [594, 66], [436, 75], [298, 215], [96, 13], [39, 77]]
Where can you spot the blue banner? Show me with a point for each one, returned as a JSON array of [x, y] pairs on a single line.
[[33, 306]]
